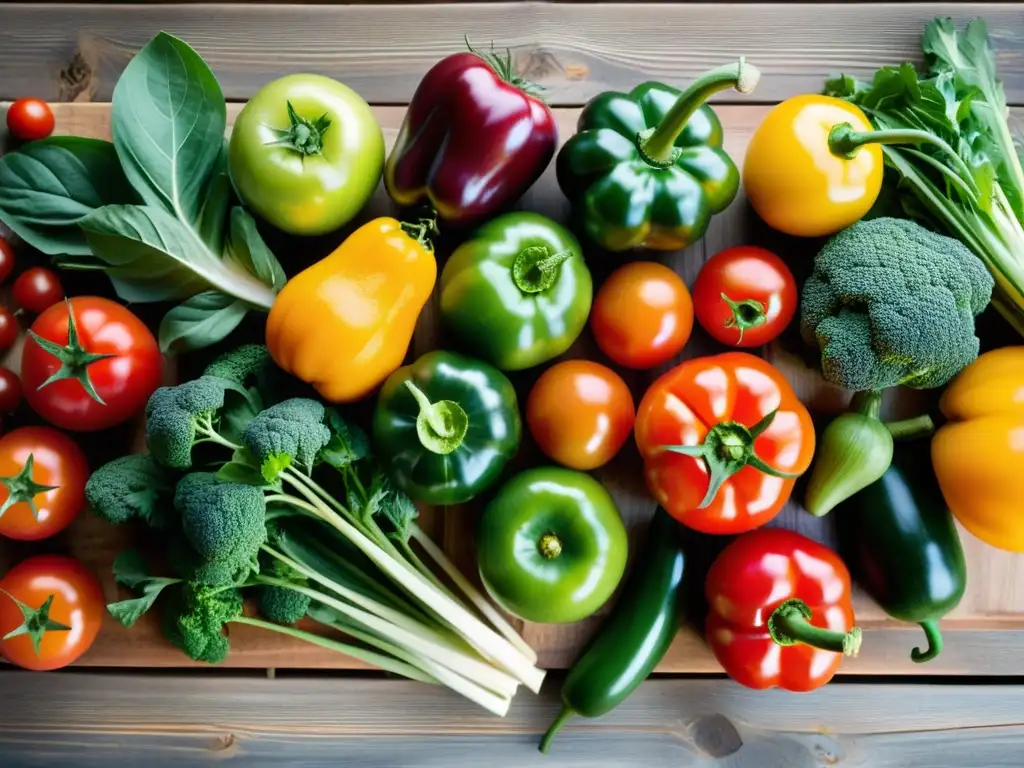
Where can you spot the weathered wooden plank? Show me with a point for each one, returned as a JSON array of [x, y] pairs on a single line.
[[99, 720], [75, 52]]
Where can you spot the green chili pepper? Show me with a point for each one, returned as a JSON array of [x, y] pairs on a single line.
[[445, 426], [637, 634], [647, 168], [517, 293], [898, 538]]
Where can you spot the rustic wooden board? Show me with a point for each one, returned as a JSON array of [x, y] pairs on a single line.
[[983, 634], [75, 52], [102, 720]]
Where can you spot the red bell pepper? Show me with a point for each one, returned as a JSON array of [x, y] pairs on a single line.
[[779, 611], [473, 140]]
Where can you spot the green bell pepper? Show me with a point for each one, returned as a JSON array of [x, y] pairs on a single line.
[[517, 293], [445, 426], [551, 546], [647, 168], [898, 538]]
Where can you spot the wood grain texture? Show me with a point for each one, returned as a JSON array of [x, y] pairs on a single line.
[[983, 636], [575, 50], [103, 720]]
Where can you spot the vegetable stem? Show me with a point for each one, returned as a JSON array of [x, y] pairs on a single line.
[[790, 624], [934, 636]]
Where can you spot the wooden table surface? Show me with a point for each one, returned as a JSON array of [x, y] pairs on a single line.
[[74, 53]]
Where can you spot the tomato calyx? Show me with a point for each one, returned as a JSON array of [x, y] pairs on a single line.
[[22, 487], [536, 268], [36, 623], [303, 136], [746, 314], [74, 359], [728, 447], [441, 426], [790, 624]]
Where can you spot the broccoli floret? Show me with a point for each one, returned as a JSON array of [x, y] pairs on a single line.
[[289, 432], [179, 417], [194, 619], [891, 303], [240, 364], [133, 486], [225, 524]]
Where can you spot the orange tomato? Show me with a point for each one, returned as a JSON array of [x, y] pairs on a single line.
[[642, 315], [580, 413]]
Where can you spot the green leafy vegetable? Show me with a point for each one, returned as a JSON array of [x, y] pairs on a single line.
[[130, 571]]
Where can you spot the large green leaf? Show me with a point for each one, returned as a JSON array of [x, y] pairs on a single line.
[[168, 121], [47, 187]]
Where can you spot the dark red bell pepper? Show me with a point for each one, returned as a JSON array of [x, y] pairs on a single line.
[[779, 611], [473, 140]]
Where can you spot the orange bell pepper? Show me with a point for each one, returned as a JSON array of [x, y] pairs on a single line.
[[345, 323], [978, 455]]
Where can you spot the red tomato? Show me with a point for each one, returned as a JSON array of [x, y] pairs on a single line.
[[30, 119], [111, 365], [745, 296], [10, 390], [42, 468], [8, 329], [77, 606], [580, 413], [642, 315], [6, 259], [37, 289]]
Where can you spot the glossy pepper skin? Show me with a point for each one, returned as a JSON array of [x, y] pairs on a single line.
[[517, 293], [779, 611], [445, 426], [473, 140], [646, 169], [978, 454], [637, 634], [723, 439], [899, 541], [551, 546], [345, 323]]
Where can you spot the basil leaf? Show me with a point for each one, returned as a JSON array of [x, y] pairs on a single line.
[[204, 319], [48, 186], [168, 120], [246, 246]]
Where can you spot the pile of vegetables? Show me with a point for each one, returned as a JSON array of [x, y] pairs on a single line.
[[273, 510]]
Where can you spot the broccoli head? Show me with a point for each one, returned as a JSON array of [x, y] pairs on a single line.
[[132, 486], [179, 417], [290, 432], [240, 364], [194, 617], [892, 303], [225, 524], [280, 604]]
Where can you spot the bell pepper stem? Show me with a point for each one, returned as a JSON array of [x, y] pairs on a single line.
[[843, 141], [563, 717], [657, 146], [422, 231], [441, 426], [790, 624], [536, 268], [931, 631], [550, 546], [906, 429], [505, 68]]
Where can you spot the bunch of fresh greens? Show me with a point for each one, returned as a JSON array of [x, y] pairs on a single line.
[[258, 519], [960, 100], [153, 208]]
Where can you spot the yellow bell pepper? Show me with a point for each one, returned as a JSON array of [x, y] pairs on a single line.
[[978, 455], [345, 323]]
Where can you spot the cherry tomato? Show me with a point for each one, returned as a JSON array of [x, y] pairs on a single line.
[[37, 289], [73, 617], [10, 390], [110, 361], [8, 329], [745, 296], [45, 469], [30, 119], [6, 259], [642, 315], [580, 413]]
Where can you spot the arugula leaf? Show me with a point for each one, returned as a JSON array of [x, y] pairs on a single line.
[[48, 186], [202, 320], [348, 443], [130, 571]]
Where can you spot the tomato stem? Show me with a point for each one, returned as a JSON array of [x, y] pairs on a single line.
[[790, 624], [23, 488], [74, 359], [746, 314], [36, 621], [303, 136]]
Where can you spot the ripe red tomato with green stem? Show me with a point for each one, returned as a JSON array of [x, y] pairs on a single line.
[[6, 259], [89, 364], [8, 329], [30, 119], [37, 289], [745, 296], [42, 483], [51, 610], [10, 390]]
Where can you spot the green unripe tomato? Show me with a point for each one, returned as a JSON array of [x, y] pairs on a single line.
[[306, 153], [551, 546]]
